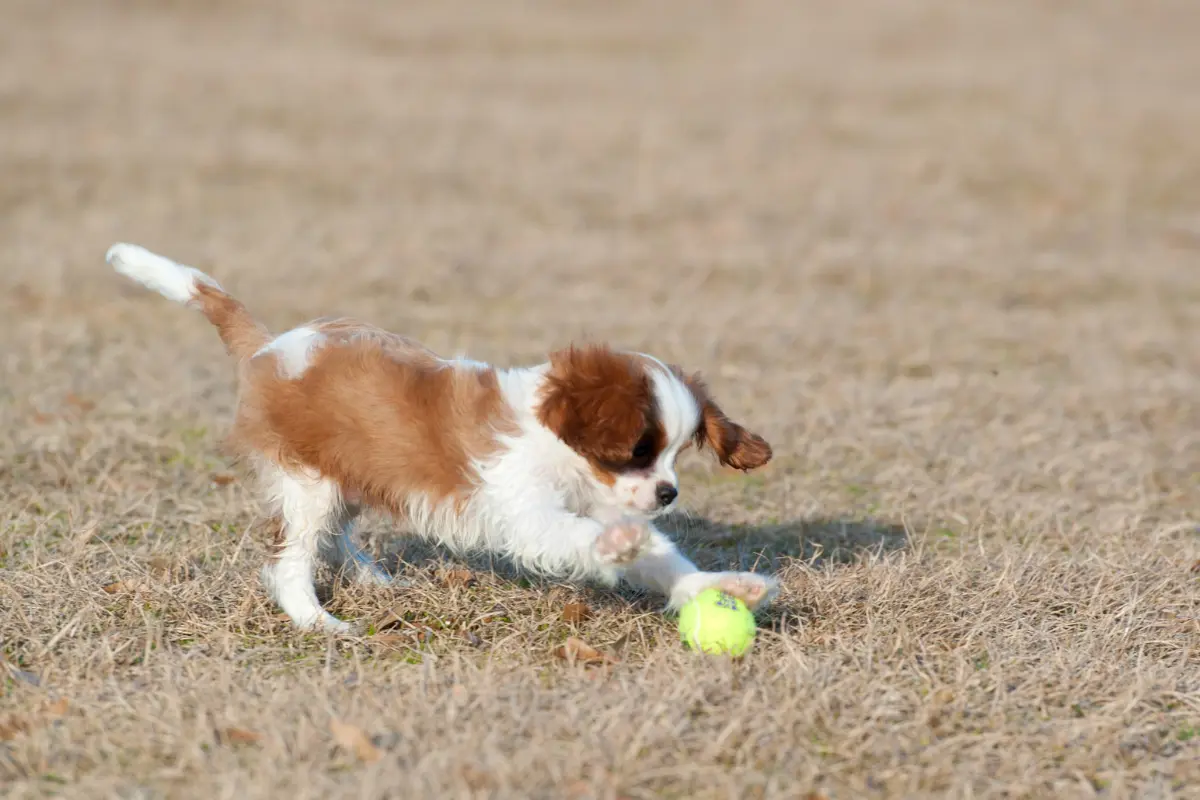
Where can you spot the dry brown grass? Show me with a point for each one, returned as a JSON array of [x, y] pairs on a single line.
[[944, 255]]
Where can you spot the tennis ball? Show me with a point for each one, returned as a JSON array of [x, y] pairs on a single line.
[[715, 622]]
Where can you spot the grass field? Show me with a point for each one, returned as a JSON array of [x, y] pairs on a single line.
[[944, 256]]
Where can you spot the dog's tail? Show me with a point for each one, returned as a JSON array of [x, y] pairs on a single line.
[[242, 334]]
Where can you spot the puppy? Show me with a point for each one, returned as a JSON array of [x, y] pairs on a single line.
[[560, 467]]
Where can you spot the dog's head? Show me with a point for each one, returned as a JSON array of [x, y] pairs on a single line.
[[629, 416]]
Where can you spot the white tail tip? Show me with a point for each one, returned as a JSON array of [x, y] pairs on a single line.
[[173, 281]]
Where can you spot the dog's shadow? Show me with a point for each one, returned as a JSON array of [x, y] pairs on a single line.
[[710, 544], [768, 547]]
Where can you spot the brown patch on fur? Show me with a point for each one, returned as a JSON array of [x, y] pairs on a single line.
[[606, 477], [379, 414], [600, 403], [242, 335], [733, 445], [402, 348]]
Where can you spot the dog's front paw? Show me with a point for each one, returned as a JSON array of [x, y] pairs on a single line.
[[622, 542], [750, 587], [753, 589]]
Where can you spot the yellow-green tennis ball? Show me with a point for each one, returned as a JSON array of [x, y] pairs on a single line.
[[715, 622]]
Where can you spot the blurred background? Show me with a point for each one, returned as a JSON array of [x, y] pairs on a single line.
[[966, 220], [918, 243]]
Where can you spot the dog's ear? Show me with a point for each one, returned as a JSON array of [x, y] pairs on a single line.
[[598, 402], [733, 445]]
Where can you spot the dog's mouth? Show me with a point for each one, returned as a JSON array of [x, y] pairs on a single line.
[[653, 513]]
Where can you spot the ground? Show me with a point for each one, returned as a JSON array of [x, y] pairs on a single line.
[[944, 256]]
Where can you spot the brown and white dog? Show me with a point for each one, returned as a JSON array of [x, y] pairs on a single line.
[[561, 467]]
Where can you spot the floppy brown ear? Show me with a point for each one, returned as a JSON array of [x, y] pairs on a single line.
[[596, 401], [733, 445]]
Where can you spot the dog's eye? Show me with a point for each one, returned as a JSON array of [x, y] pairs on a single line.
[[643, 451]]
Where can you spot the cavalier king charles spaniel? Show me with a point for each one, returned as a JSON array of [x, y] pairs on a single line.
[[561, 467]]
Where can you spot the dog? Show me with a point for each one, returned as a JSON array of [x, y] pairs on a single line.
[[560, 467]]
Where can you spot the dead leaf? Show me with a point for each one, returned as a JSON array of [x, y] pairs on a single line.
[[476, 778], [222, 478], [354, 739], [81, 403], [577, 651], [15, 725], [578, 789], [392, 622], [57, 709], [575, 613], [1196, 566], [123, 587], [12, 727], [240, 736], [457, 578], [388, 620]]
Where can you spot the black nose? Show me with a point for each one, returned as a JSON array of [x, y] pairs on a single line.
[[665, 493]]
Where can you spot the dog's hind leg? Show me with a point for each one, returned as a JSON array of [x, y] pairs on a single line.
[[310, 509]]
